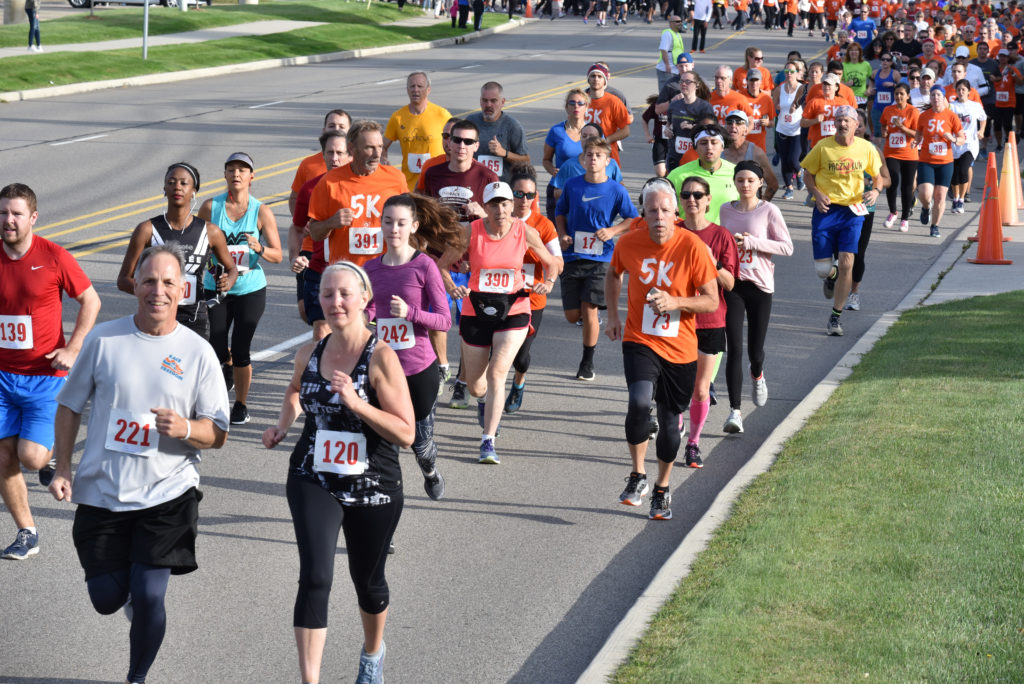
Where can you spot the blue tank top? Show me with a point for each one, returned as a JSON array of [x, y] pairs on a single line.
[[883, 89], [250, 273]]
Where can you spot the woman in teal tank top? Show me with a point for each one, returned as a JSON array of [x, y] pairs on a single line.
[[251, 232]]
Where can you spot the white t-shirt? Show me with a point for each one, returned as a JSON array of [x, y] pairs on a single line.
[[125, 464], [970, 114]]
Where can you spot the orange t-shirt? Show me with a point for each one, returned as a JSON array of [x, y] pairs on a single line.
[[1005, 88], [610, 114], [898, 144], [817, 6], [972, 94], [723, 104], [679, 267], [341, 188], [822, 129], [496, 266], [832, 10], [533, 271], [688, 156], [761, 106], [310, 167], [934, 126], [845, 93], [433, 161], [739, 78], [793, 7]]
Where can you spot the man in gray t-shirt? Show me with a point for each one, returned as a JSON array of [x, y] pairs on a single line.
[[157, 397], [502, 140]]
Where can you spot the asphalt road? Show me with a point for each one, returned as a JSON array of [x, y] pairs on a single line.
[[523, 569]]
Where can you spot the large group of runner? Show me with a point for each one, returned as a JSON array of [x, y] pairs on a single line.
[[403, 230]]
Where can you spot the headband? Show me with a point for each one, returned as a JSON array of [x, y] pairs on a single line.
[[355, 269], [707, 134], [188, 168]]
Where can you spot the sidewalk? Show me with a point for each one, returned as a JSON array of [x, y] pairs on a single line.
[[966, 280]]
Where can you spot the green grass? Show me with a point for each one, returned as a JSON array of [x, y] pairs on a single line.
[[351, 27], [886, 542]]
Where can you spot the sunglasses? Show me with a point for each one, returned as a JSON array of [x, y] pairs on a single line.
[[758, 59], [887, 59], [445, 136], [520, 194], [464, 141], [789, 71], [697, 195], [575, 103]]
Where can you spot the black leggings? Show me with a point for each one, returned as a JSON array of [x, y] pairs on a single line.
[[769, 17], [789, 21], [745, 298], [700, 32], [522, 361], [788, 147], [862, 246], [902, 176], [717, 14], [638, 413], [242, 314], [147, 586], [317, 517], [423, 390], [815, 19]]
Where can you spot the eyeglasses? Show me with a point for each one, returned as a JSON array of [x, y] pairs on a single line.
[[758, 59], [520, 194], [464, 141], [913, 78], [697, 195], [687, 82], [575, 103]]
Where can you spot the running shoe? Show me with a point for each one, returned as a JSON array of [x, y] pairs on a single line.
[[853, 302], [834, 327], [459, 400], [935, 232], [391, 547], [891, 221], [586, 371], [788, 195], [487, 453], [47, 472], [25, 544], [514, 401], [693, 459], [734, 423], [229, 375], [904, 226], [371, 668], [636, 488], [660, 502], [760, 391], [239, 414], [828, 286], [445, 374], [926, 216], [584, 20], [434, 485], [800, 182]]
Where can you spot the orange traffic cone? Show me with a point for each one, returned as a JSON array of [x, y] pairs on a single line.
[[529, 13], [1007, 194], [1011, 147], [990, 232]]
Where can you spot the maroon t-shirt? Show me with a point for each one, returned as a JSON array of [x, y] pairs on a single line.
[[457, 189], [723, 249]]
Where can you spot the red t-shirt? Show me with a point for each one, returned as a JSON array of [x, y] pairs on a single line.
[[317, 248], [31, 290], [456, 189], [723, 248]]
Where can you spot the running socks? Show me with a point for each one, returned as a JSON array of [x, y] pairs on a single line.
[[588, 354], [836, 314], [698, 416]]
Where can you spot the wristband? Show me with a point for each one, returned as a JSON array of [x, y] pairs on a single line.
[[718, 265], [188, 429]]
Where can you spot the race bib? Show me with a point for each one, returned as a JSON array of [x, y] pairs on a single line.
[[860, 100], [15, 332], [683, 144], [937, 149], [188, 295], [397, 332], [884, 97], [746, 257], [495, 164], [365, 240], [497, 280], [416, 162], [528, 271], [859, 209], [897, 140], [862, 35], [660, 324], [828, 128], [339, 453], [755, 126], [240, 255], [587, 243], [132, 433], [788, 118], [1002, 96]]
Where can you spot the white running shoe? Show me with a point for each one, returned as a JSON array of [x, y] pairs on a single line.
[[734, 423], [760, 391], [891, 221]]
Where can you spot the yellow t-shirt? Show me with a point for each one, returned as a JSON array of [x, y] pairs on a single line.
[[419, 135], [839, 171]]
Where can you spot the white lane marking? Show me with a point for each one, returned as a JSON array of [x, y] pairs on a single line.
[[539, 54], [88, 137], [584, 45], [390, 80], [266, 104], [471, 66], [283, 346]]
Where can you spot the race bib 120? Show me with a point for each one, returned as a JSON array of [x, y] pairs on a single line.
[[339, 453]]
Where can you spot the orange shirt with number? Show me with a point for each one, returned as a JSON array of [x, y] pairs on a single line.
[[899, 145], [760, 107], [723, 104], [1005, 88], [739, 78], [822, 129], [845, 93], [342, 188], [610, 114], [972, 94], [833, 8], [533, 271], [933, 127]]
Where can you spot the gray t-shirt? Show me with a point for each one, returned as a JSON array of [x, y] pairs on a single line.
[[126, 465], [509, 133]]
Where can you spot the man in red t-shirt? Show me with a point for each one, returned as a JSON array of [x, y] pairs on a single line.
[[34, 361]]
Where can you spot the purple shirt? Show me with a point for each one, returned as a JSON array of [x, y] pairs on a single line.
[[419, 284]]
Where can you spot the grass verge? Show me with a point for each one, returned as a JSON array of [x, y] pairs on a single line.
[[351, 27], [886, 542]]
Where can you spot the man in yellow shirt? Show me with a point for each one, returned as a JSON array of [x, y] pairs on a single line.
[[416, 127]]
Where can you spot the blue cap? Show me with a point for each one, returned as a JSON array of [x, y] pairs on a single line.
[[938, 88], [684, 57]]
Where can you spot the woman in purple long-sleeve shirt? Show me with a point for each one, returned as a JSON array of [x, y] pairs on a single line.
[[409, 300]]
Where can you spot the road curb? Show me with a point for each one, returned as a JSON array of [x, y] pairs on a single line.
[[632, 627], [175, 76]]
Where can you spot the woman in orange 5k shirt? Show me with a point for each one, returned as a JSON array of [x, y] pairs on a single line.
[[938, 129]]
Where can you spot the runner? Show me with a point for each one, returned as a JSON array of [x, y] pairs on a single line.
[[251, 232], [313, 165], [416, 127], [574, 167], [899, 126], [739, 147], [787, 128], [409, 300], [198, 239], [563, 141], [524, 191], [610, 113], [709, 140], [157, 399], [672, 278], [503, 141], [344, 472], [460, 183], [973, 120], [496, 310], [762, 109], [683, 112], [34, 274], [938, 131], [859, 262], [760, 231], [723, 98], [585, 219]]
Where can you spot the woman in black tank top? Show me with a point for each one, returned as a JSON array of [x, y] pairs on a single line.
[[197, 238], [344, 474]]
